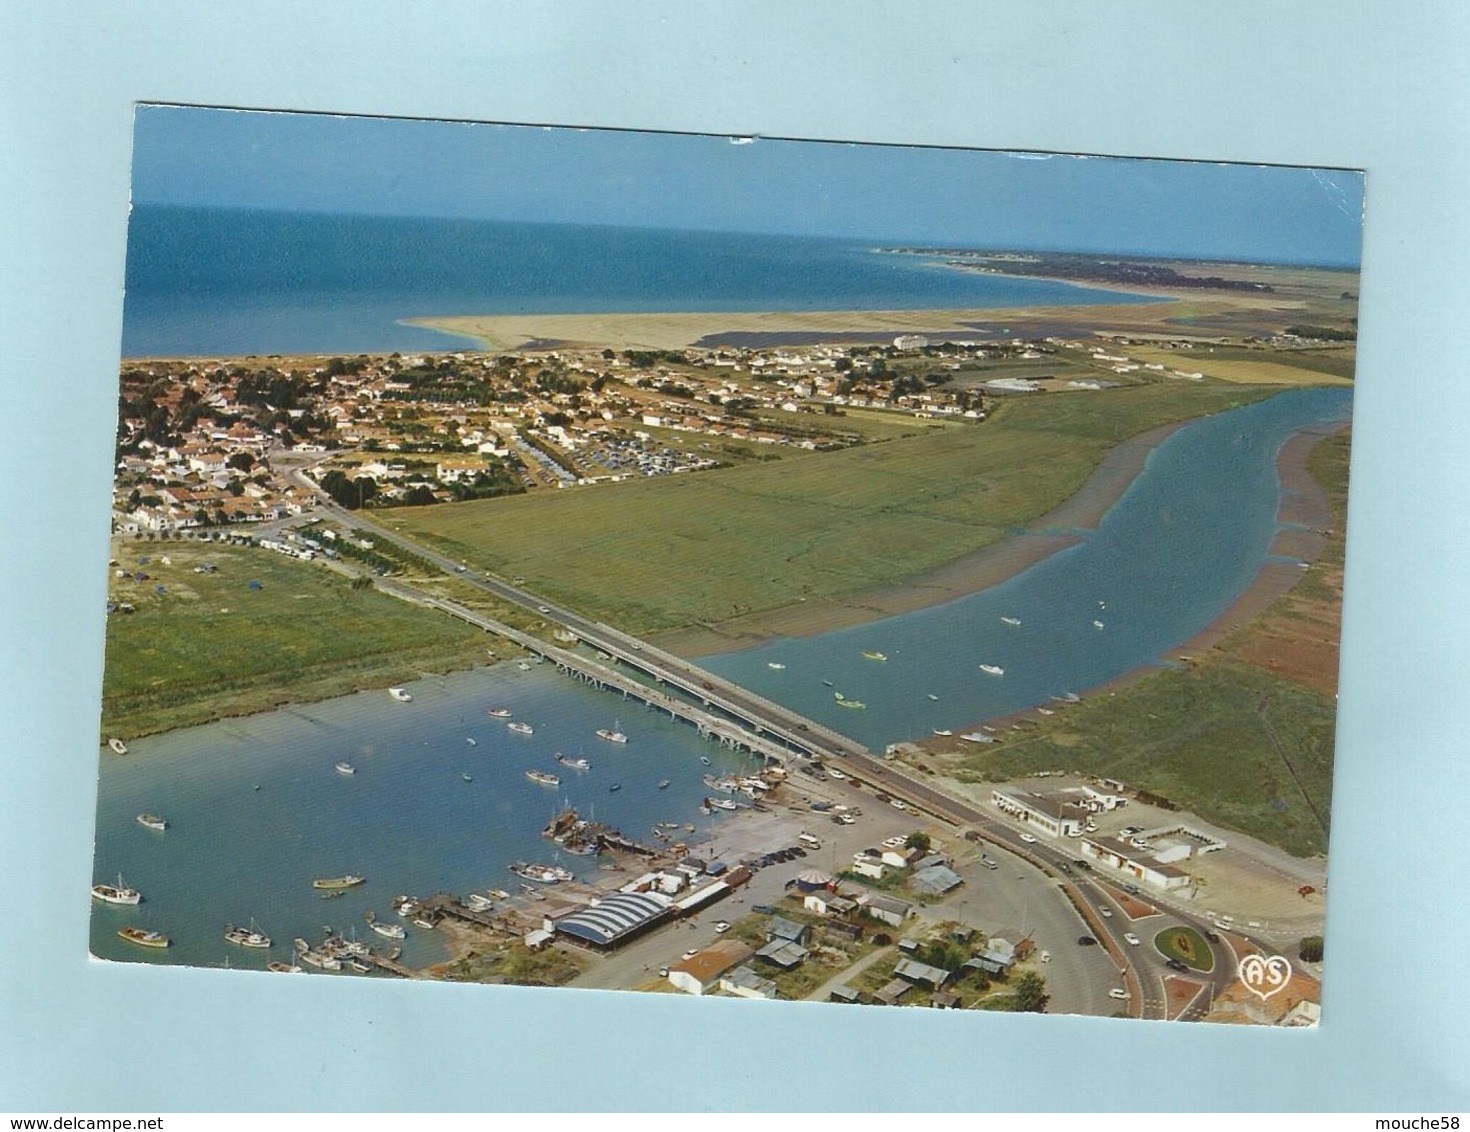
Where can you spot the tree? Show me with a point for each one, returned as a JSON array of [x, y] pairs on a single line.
[[918, 840], [1310, 950], [1030, 995]]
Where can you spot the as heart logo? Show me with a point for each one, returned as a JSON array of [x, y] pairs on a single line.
[[1264, 976]]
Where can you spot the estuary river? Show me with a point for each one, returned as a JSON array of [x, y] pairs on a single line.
[[256, 809]]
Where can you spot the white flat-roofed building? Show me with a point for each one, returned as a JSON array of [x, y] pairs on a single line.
[[1056, 815]]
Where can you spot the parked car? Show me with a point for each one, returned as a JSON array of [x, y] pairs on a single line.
[[721, 928], [1176, 965], [1028, 839], [1086, 941], [1117, 992], [988, 863], [1132, 939], [1105, 912], [1133, 888]]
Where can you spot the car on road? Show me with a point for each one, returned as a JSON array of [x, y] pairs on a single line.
[[1081, 864], [1132, 939], [1105, 912], [1086, 941], [1131, 888], [1176, 965], [883, 797], [691, 953], [459, 569], [1028, 839], [721, 928], [833, 772], [1066, 868], [897, 803], [663, 972], [1213, 937], [1117, 992], [543, 609]]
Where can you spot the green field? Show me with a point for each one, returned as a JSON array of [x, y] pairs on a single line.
[[210, 646], [663, 553], [1226, 740]]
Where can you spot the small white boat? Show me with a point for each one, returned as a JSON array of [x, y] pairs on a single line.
[[152, 821], [346, 768], [1045, 711], [873, 655], [401, 695], [542, 778], [520, 728], [118, 893], [612, 734], [932, 696], [499, 713], [1097, 625], [943, 731], [1011, 620], [247, 937], [575, 764], [118, 746], [992, 670], [467, 778], [477, 903], [388, 931], [977, 737], [472, 741], [777, 665]]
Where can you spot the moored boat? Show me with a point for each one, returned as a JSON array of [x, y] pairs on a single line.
[[663, 783], [388, 930], [992, 670], [542, 874], [575, 764], [544, 779], [144, 937], [843, 701], [346, 768], [1098, 625], [152, 821], [118, 893], [118, 746], [1011, 620], [977, 737], [400, 694], [334, 883], [722, 803], [520, 728], [874, 655], [246, 937], [611, 734], [776, 664], [475, 902], [499, 713], [284, 968], [944, 731]]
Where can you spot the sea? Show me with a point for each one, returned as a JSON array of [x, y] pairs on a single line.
[[439, 800], [213, 281]]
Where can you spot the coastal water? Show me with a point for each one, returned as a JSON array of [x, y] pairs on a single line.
[[210, 281], [256, 810]]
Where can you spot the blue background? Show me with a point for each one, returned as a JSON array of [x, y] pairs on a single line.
[[1363, 85]]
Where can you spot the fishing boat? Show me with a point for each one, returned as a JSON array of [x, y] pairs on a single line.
[[247, 937], [663, 783], [320, 959], [335, 883], [874, 655], [540, 776], [776, 664], [520, 728], [992, 670], [118, 893], [401, 695], [1011, 620], [575, 764], [612, 735], [118, 746], [541, 874], [499, 713], [346, 768], [387, 930], [152, 821], [144, 937]]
